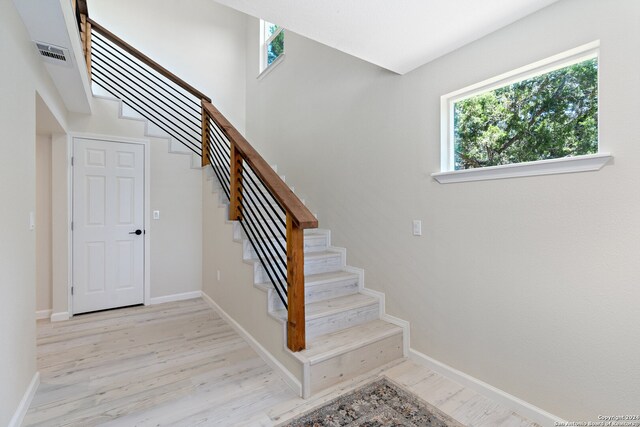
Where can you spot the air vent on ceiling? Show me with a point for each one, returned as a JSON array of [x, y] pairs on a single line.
[[54, 54]]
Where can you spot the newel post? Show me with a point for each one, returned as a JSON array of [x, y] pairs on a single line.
[[295, 286], [235, 194], [205, 135]]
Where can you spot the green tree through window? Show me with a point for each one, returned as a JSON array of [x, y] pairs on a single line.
[[549, 116], [271, 43], [275, 48]]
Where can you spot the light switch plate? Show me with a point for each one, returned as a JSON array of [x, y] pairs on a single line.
[[156, 214], [417, 227]]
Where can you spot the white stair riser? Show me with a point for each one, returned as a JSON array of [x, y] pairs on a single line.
[[321, 292], [312, 243], [311, 266], [351, 364]]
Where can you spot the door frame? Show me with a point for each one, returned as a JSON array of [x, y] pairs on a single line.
[[147, 207]]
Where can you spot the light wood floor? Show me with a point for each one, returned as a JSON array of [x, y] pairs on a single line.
[[181, 364]]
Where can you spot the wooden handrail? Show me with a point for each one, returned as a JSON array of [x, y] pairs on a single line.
[[300, 214], [150, 62]]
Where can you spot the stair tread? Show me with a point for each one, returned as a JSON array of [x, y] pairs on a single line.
[[327, 307], [326, 346]]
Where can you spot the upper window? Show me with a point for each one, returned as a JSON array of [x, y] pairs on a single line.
[[272, 43], [547, 110]]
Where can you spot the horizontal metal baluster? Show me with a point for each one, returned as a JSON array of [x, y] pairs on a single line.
[[158, 112], [218, 174], [188, 111], [223, 160], [267, 194], [249, 216], [172, 89], [266, 221], [225, 183], [266, 200], [103, 80], [150, 71], [194, 148], [260, 197], [149, 97], [255, 217], [220, 133], [280, 289], [219, 142], [122, 82], [219, 162]]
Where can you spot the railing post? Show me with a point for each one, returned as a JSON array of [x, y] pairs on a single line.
[[205, 135], [296, 340], [88, 41], [85, 38], [235, 193]]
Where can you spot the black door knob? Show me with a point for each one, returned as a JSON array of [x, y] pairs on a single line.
[[137, 232]]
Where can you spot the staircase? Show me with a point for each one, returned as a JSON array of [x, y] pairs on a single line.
[[346, 332]]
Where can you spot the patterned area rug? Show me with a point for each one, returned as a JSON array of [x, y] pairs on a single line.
[[379, 404]]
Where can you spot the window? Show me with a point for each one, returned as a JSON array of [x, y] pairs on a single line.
[[272, 44], [545, 111]]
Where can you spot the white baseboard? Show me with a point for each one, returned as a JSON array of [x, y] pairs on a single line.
[[60, 317], [507, 400], [23, 406], [43, 314], [175, 297], [284, 373]]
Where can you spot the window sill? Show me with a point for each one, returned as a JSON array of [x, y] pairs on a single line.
[[590, 162], [271, 66]]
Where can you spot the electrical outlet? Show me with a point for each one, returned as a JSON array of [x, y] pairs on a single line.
[[218, 275], [417, 227], [156, 214]]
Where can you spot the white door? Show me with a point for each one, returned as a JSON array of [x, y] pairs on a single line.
[[108, 224]]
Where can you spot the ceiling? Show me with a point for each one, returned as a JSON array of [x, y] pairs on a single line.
[[399, 35]]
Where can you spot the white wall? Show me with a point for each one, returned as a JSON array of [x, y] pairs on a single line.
[[43, 223], [20, 78], [200, 41], [530, 284]]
